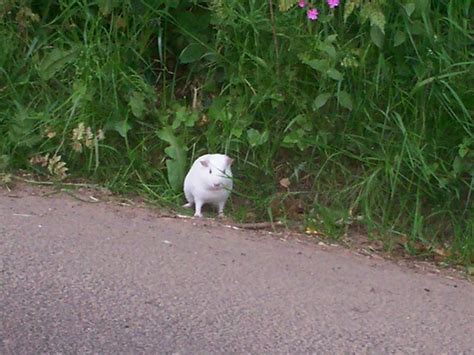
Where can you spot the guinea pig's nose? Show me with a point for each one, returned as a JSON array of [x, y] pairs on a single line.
[[217, 184]]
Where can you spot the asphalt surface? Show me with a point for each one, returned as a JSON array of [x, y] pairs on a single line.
[[102, 278]]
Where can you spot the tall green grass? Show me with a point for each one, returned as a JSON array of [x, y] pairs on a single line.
[[367, 112]]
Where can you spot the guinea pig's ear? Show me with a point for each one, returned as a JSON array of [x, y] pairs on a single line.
[[229, 161], [204, 163]]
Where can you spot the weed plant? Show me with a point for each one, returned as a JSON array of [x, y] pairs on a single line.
[[360, 118]]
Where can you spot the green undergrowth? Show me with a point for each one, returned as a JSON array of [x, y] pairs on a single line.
[[361, 119]]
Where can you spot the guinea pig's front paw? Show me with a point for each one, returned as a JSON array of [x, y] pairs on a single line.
[[221, 215], [198, 215]]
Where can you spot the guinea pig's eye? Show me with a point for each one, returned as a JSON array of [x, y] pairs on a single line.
[[210, 171]]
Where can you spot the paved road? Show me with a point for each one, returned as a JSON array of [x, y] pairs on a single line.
[[102, 278]]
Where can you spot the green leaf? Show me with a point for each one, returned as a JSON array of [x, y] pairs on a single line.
[[256, 138], [253, 137], [290, 139], [258, 60], [21, 129], [329, 49], [331, 39], [377, 18], [184, 116], [192, 53], [285, 5], [218, 108], [399, 38], [321, 65], [458, 166], [423, 6], [297, 138], [55, 61], [237, 131], [176, 164], [377, 36], [122, 127], [180, 117], [321, 100], [137, 104], [463, 150], [81, 92], [192, 118], [350, 6], [335, 74], [409, 8], [417, 28], [344, 99]]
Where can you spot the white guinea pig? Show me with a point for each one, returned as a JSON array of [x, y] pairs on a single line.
[[209, 181]]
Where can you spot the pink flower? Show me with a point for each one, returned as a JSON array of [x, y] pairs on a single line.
[[302, 3], [333, 3], [312, 14]]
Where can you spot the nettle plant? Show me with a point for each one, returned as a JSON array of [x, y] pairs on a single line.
[[296, 65], [331, 48]]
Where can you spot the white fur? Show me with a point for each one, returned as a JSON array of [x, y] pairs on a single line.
[[214, 188]]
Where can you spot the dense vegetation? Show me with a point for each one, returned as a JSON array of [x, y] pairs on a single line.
[[362, 117]]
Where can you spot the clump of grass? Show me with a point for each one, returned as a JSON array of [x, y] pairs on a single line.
[[380, 118]]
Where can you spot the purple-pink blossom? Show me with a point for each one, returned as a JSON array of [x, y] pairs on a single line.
[[312, 14], [302, 3], [333, 3]]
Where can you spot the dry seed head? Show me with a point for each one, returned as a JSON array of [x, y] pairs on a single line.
[[100, 135], [83, 135], [203, 121], [89, 138], [77, 146], [57, 168], [5, 179], [41, 160], [50, 133], [55, 159], [78, 133]]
